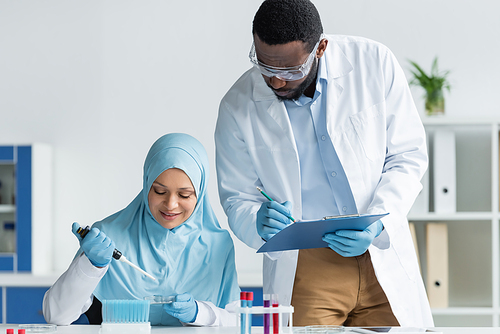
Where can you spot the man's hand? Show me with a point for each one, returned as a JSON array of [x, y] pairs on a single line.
[[350, 243], [272, 217]]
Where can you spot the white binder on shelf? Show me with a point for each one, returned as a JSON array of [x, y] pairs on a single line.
[[444, 159], [437, 264], [421, 204]]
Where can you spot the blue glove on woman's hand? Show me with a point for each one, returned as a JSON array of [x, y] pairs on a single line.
[[272, 217], [350, 243], [183, 308], [96, 245]]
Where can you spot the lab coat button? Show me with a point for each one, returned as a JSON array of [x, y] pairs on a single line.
[[344, 208], [323, 137], [334, 174]]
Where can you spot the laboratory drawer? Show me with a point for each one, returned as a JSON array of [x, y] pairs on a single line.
[[24, 305]]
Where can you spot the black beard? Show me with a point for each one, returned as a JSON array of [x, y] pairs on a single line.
[[297, 92]]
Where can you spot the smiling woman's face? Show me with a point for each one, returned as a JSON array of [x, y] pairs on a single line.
[[172, 198]]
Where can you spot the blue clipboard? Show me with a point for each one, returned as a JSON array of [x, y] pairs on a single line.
[[309, 233]]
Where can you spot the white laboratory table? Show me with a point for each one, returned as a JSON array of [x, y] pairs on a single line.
[[94, 329]]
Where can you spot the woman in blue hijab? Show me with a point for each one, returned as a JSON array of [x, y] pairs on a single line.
[[170, 231]]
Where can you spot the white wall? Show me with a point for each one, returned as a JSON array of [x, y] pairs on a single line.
[[101, 80]]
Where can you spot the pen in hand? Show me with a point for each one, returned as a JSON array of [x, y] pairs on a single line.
[[269, 198]]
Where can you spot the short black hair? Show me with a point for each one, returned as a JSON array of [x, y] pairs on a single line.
[[285, 21]]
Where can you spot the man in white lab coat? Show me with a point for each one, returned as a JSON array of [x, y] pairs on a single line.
[[325, 125]]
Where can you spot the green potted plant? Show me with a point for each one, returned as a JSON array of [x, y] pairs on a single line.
[[433, 84]]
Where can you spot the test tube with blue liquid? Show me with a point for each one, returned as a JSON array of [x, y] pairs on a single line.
[[249, 304], [243, 303], [246, 301]]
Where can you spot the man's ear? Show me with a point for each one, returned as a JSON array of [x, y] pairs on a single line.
[[321, 48]]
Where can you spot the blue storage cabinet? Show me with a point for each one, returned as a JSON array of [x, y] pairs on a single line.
[[1, 306], [23, 210], [20, 158], [26, 200], [24, 305]]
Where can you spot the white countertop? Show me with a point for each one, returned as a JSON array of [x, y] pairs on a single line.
[[91, 329]]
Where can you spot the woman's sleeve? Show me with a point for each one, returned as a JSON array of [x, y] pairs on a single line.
[[71, 295], [211, 315]]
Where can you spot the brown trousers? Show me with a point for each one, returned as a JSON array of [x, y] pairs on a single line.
[[333, 290]]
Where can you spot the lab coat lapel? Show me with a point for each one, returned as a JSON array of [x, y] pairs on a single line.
[[339, 68], [264, 96], [267, 102]]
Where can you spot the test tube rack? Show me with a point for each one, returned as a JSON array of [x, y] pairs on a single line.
[[247, 311]]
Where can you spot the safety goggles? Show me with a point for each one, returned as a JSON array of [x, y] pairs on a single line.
[[284, 73]]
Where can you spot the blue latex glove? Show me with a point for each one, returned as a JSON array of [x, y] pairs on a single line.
[[96, 245], [272, 217], [183, 308], [350, 243]]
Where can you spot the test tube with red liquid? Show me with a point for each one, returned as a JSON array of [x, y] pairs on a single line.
[[276, 316]]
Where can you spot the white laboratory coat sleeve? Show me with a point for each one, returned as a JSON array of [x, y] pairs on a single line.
[[237, 180], [71, 295], [211, 315]]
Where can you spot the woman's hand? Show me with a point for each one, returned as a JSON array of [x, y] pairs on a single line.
[[96, 245], [183, 308]]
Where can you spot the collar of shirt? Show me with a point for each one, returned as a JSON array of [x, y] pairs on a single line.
[[321, 82]]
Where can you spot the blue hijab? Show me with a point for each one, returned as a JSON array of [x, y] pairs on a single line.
[[195, 257]]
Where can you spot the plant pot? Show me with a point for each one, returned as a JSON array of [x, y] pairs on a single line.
[[434, 103]]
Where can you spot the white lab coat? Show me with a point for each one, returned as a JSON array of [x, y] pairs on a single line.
[[380, 141], [71, 296]]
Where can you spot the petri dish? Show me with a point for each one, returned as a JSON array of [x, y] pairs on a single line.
[[324, 329], [38, 328], [158, 299]]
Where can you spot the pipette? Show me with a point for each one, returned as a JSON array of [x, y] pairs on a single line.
[[116, 253]]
